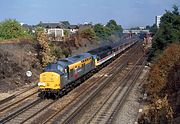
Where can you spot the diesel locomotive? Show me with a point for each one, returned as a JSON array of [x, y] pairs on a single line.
[[59, 75]]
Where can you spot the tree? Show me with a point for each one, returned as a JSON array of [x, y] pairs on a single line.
[[148, 27], [153, 29], [112, 25], [12, 29], [44, 49], [88, 33], [102, 31], [168, 32], [99, 30], [175, 11]]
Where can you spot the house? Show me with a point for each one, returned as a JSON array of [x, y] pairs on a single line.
[[59, 30]]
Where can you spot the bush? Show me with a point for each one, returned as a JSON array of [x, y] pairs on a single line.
[[88, 33], [159, 73], [66, 52], [56, 51], [44, 49], [10, 29], [163, 87], [101, 31]]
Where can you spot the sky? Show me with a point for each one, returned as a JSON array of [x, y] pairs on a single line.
[[128, 13]]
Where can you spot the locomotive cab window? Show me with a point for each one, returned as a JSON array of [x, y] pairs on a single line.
[[60, 68]]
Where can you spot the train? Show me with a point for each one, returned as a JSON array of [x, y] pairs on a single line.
[[62, 74]]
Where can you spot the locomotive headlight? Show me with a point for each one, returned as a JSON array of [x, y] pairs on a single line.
[[41, 84]]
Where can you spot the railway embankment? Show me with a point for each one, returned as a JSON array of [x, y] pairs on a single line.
[[162, 88], [16, 58]]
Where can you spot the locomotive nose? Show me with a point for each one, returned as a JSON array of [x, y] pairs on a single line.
[[49, 80]]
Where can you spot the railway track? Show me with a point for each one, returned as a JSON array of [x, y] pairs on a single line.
[[17, 100], [11, 97], [113, 103], [90, 101], [89, 91], [24, 113], [30, 113]]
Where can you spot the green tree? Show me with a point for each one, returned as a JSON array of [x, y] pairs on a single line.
[[168, 32], [148, 27], [153, 29], [101, 31], [175, 11], [88, 33], [12, 29], [112, 25]]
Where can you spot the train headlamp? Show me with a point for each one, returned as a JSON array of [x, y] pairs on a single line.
[[41, 84]]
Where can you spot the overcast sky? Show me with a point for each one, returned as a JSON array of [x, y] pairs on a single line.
[[128, 13]]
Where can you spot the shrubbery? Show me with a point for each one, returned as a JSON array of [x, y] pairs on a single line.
[[163, 80], [10, 29], [103, 32], [45, 55], [163, 87], [88, 33]]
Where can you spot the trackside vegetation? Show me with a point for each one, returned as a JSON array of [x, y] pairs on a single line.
[[12, 29], [104, 31], [168, 32], [163, 84], [101, 32]]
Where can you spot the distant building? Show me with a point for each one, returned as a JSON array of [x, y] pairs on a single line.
[[135, 31], [158, 20], [57, 30]]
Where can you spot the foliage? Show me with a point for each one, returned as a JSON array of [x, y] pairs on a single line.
[[66, 52], [112, 25], [102, 31], [168, 32], [163, 86], [158, 76], [57, 53], [148, 27], [159, 112], [153, 29], [44, 49], [66, 33], [39, 29], [10, 29], [88, 33]]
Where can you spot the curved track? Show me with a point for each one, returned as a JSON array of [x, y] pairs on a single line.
[[102, 94], [48, 110], [98, 82]]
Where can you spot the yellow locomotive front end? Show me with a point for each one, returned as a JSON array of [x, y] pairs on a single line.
[[49, 81], [49, 84]]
